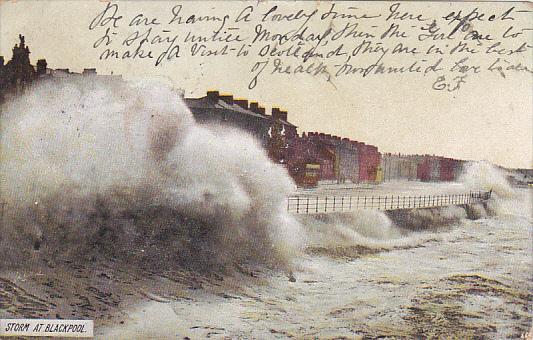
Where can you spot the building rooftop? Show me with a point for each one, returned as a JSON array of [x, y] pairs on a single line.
[[214, 100]]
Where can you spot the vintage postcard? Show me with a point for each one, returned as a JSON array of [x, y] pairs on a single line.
[[266, 169]]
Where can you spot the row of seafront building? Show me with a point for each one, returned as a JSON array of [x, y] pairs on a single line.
[[309, 157], [314, 156]]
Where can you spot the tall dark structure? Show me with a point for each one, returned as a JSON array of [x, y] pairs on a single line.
[[18, 72]]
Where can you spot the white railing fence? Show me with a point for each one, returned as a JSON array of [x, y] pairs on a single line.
[[329, 204]]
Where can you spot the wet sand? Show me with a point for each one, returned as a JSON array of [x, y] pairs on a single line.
[[101, 291]]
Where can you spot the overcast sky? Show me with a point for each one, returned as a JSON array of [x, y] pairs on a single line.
[[491, 119]]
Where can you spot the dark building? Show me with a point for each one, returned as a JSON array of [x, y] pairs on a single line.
[[369, 163], [281, 132], [225, 110], [18, 72], [280, 117], [273, 131], [306, 151]]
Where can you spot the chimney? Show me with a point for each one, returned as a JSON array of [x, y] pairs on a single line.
[[254, 107], [276, 113], [242, 103], [213, 95], [89, 71], [227, 98], [283, 115], [41, 66], [1, 60], [322, 135]]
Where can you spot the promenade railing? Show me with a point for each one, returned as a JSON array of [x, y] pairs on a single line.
[[328, 204]]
